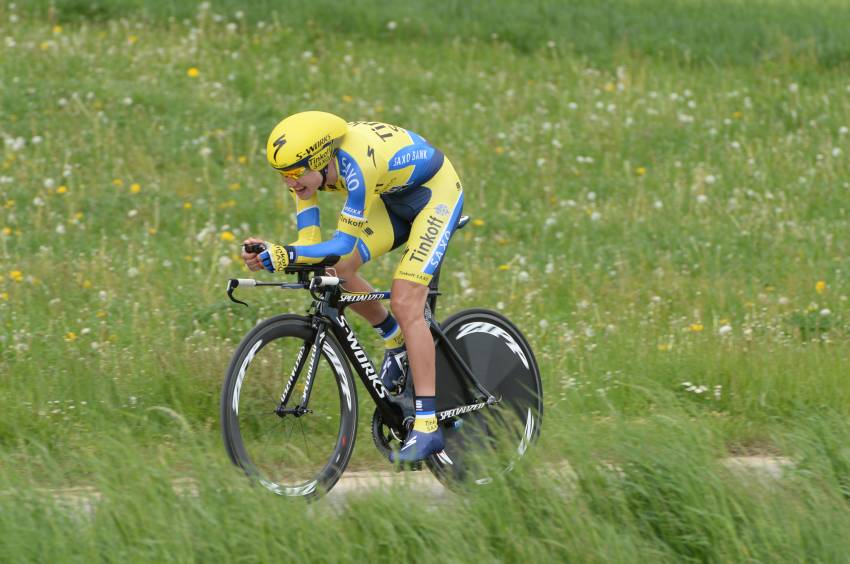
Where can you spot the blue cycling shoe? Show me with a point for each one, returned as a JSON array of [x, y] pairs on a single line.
[[419, 446], [393, 367]]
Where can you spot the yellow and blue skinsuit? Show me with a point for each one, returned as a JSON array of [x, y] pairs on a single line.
[[399, 189]]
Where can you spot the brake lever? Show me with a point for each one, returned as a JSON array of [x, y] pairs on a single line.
[[232, 284]]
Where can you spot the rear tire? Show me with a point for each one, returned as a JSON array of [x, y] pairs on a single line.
[[488, 441]]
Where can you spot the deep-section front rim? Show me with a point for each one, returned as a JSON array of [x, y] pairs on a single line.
[[255, 378], [503, 361]]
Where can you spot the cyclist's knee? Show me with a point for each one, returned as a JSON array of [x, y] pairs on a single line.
[[349, 265], [408, 301]]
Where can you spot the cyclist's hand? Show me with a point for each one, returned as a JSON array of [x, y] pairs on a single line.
[[251, 259], [277, 257]]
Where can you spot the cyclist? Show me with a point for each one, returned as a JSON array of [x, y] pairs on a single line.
[[400, 190]]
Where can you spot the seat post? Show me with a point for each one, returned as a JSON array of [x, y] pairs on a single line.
[[433, 287]]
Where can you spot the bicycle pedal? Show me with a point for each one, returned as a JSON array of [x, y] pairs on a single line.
[[408, 467]]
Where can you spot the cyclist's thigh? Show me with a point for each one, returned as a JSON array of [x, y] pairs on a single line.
[[382, 231], [432, 227]]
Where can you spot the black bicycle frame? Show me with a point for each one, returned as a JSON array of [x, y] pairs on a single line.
[[330, 315]]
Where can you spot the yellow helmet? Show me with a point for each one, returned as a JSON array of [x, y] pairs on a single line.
[[305, 140]]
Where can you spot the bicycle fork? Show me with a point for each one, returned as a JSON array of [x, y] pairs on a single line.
[[315, 351]]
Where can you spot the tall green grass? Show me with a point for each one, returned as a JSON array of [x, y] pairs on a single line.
[[661, 196]]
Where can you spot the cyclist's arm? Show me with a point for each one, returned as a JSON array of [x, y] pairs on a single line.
[[351, 218], [307, 219]]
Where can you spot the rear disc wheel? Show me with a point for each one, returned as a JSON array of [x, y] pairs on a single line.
[[490, 440]]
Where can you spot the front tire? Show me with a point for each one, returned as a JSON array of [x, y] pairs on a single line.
[[289, 455]]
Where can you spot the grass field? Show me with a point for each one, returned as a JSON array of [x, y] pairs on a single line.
[[661, 194]]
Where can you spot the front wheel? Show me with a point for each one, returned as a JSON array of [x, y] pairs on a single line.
[[483, 442], [291, 454]]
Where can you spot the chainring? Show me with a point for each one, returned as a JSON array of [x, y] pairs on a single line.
[[382, 435]]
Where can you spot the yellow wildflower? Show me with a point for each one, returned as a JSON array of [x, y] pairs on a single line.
[[57, 29], [187, 205], [78, 216], [62, 190], [504, 267], [117, 182], [100, 314], [640, 170], [664, 346], [7, 231], [152, 231], [696, 327], [820, 287], [243, 159], [500, 150], [5, 296], [478, 222], [135, 187], [347, 98], [70, 336], [87, 284], [737, 115], [609, 87], [9, 204], [193, 72], [235, 186], [16, 275], [132, 39], [227, 236]]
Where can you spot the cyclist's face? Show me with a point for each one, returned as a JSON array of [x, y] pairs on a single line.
[[306, 185]]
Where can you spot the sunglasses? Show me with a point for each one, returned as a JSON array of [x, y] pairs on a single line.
[[294, 172]]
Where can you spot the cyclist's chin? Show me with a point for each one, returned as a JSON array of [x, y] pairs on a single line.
[[305, 193]]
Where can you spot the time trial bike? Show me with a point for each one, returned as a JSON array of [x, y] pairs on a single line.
[[289, 408]]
